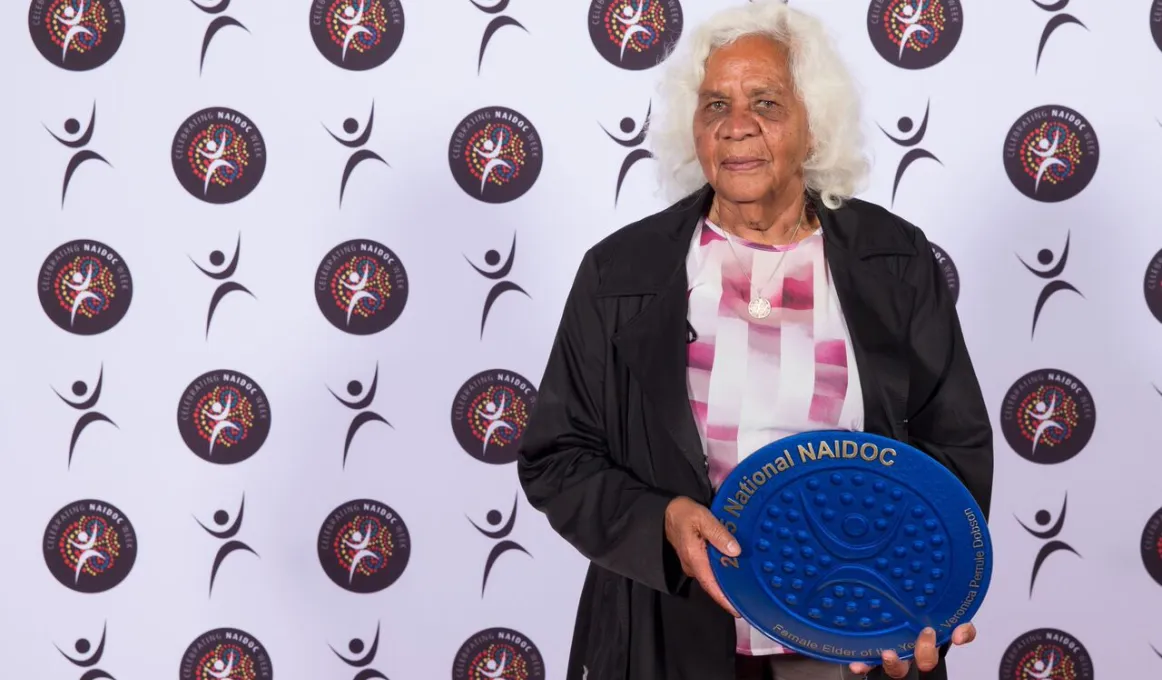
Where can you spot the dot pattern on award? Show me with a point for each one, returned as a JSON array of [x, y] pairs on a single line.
[[853, 516], [852, 543]]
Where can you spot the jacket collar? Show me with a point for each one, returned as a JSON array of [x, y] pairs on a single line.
[[665, 240]]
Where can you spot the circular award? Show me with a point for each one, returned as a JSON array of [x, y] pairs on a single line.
[[851, 544]]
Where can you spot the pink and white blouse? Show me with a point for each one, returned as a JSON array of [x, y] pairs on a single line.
[[752, 381]]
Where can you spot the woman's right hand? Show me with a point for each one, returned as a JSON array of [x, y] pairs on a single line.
[[689, 527]]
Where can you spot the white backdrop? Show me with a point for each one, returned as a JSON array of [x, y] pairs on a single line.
[[425, 490]]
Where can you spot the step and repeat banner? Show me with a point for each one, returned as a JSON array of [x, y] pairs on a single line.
[[298, 263]]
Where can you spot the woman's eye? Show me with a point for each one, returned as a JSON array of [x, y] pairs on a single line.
[[766, 104]]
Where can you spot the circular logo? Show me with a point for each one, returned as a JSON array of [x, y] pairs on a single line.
[[361, 287], [495, 154], [1051, 153], [1048, 416], [77, 35], [1153, 286], [914, 35], [224, 417], [635, 34], [357, 35], [226, 653], [1156, 23], [364, 546], [1152, 546], [85, 287], [90, 546], [498, 651], [219, 155], [490, 414], [948, 268], [1046, 653]]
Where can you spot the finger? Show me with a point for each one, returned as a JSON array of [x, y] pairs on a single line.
[[927, 655], [964, 634], [858, 668], [894, 667], [700, 565], [717, 535]]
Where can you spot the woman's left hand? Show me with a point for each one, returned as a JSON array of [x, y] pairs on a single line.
[[927, 653]]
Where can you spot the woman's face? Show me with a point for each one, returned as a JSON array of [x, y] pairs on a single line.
[[750, 128]]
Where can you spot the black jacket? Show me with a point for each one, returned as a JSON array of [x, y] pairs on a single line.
[[612, 438]]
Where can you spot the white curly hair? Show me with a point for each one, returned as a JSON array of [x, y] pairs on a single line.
[[837, 167]]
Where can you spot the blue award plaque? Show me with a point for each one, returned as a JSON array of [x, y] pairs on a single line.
[[851, 544]]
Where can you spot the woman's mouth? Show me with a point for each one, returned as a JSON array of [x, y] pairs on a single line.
[[742, 163]]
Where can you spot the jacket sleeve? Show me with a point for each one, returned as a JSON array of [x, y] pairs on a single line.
[[609, 515], [947, 414]]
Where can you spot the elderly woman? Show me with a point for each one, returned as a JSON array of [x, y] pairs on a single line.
[[764, 303]]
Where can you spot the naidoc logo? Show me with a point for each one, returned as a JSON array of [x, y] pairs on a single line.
[[1051, 153], [1048, 416], [77, 35], [357, 35], [496, 653], [1153, 285], [364, 546], [490, 414], [915, 34], [1156, 22], [635, 34], [361, 287], [948, 269], [90, 546], [1046, 654], [224, 417], [219, 155], [85, 287], [1152, 546], [226, 653], [495, 154]]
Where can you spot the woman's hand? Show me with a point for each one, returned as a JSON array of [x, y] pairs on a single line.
[[689, 526], [927, 654]]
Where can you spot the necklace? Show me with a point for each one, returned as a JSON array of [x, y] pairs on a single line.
[[760, 306]]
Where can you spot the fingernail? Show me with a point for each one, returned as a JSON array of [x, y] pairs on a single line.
[[732, 548], [928, 631]]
